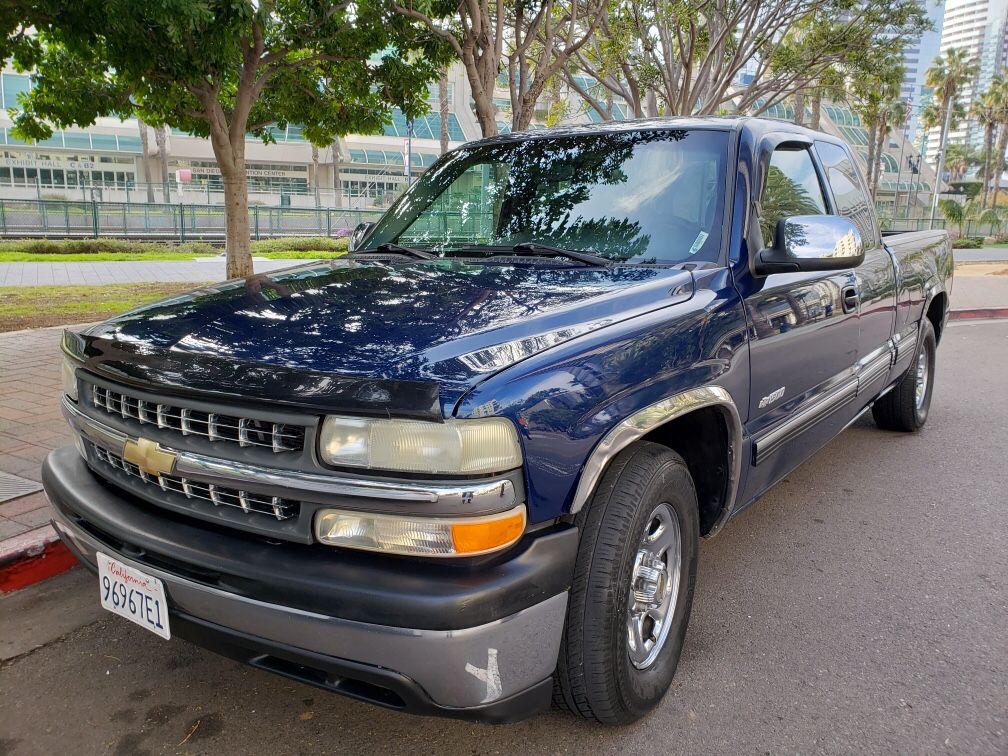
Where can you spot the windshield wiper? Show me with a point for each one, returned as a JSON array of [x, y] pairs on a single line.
[[395, 249], [532, 249]]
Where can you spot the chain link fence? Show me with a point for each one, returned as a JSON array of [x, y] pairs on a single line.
[[182, 222]]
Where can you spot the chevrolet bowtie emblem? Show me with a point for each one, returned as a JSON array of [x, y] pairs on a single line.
[[149, 456]]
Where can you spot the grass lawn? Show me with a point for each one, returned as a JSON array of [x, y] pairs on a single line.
[[128, 250], [38, 306]]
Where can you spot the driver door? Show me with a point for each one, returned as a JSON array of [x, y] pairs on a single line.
[[804, 333]]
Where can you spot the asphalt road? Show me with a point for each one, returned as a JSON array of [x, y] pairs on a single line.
[[860, 607]]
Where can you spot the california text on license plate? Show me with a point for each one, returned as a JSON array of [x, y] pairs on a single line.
[[131, 594]]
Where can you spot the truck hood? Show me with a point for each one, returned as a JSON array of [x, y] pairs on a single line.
[[393, 337]]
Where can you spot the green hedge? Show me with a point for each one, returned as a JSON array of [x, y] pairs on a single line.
[[127, 247], [98, 246], [300, 244], [967, 242]]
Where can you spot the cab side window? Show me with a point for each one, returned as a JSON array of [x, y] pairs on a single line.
[[848, 190], [792, 188]]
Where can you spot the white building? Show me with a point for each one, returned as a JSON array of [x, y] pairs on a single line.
[[105, 161], [981, 28], [917, 59]]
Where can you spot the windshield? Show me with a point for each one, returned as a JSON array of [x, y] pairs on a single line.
[[638, 196]]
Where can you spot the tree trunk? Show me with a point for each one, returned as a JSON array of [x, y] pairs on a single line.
[[236, 215], [883, 136], [988, 149], [799, 107], [443, 108], [336, 180], [145, 158], [999, 161], [161, 137], [816, 110], [652, 103], [872, 157], [315, 176]]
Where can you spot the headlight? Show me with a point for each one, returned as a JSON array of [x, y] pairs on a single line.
[[69, 379], [420, 536], [469, 447]]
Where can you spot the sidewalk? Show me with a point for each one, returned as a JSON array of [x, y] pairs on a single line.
[[98, 273], [30, 426]]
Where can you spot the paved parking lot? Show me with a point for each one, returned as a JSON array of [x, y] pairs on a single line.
[[860, 607]]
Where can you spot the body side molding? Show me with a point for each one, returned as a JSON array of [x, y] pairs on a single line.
[[643, 421]]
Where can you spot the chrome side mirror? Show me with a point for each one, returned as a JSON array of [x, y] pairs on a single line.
[[812, 243], [362, 230]]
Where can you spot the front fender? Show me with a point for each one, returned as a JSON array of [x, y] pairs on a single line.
[[566, 400]]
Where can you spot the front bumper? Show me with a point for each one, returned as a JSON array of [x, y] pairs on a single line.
[[477, 642]]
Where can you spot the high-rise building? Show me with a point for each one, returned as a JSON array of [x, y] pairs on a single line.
[[917, 58], [981, 28]]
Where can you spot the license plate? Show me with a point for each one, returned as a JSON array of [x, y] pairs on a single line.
[[131, 594]]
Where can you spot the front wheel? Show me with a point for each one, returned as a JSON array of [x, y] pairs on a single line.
[[906, 406], [633, 588]]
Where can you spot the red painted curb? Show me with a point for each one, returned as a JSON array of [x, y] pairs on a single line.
[[979, 313], [54, 560]]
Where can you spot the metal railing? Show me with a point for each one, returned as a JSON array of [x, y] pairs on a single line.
[[49, 218], [181, 222]]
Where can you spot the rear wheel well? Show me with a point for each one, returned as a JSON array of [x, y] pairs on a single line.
[[936, 313], [703, 440]]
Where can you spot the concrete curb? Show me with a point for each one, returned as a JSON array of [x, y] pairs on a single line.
[[33, 557], [979, 313]]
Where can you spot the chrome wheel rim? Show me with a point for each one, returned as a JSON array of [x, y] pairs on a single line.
[[654, 586], [920, 388]]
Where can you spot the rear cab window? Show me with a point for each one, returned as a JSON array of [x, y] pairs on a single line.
[[848, 190]]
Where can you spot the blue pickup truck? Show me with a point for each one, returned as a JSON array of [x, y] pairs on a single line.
[[465, 470]]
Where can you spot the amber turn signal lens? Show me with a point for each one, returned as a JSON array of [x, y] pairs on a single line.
[[420, 536], [487, 535]]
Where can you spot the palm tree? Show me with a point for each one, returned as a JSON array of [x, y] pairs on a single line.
[[892, 114], [947, 76], [998, 92], [984, 110]]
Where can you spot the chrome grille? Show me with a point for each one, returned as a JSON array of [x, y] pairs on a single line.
[[215, 426], [274, 506]]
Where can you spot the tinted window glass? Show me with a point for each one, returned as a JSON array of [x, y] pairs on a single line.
[[638, 196], [792, 188], [851, 198]]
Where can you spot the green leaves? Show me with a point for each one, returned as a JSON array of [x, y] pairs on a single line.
[[199, 64]]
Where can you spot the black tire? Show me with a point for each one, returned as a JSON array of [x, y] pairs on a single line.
[[595, 676], [899, 410]]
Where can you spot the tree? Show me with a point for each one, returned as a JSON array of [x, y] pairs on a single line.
[[161, 140], [443, 109], [225, 69], [999, 96], [947, 76], [691, 54], [985, 110], [962, 212], [315, 174], [875, 96], [533, 40], [145, 152]]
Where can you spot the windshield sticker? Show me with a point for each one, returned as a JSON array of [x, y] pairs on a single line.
[[700, 239]]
